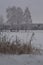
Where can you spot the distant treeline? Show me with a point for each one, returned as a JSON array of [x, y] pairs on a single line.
[[22, 27], [18, 19]]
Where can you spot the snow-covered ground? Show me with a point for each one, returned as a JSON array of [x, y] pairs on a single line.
[[21, 59]]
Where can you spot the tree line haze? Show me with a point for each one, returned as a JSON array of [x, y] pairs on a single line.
[[17, 19]]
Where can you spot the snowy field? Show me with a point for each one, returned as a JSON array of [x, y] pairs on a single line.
[[26, 59], [24, 37], [21, 59]]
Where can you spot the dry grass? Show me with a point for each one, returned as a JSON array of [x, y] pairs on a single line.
[[7, 48]]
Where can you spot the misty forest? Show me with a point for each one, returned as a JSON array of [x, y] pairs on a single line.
[[18, 19]]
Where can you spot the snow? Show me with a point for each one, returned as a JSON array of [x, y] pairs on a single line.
[[21, 59]]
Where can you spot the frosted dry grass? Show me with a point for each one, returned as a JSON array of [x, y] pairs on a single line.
[[26, 36], [7, 48]]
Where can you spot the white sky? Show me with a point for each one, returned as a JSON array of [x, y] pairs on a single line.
[[35, 6]]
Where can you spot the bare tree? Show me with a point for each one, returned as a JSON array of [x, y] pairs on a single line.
[[19, 15], [11, 15], [14, 15], [27, 16]]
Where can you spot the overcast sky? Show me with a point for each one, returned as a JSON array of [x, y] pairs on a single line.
[[35, 6]]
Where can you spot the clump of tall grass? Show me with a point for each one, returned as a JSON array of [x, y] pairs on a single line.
[[14, 48], [11, 48]]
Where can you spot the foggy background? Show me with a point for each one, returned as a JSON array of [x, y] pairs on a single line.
[[35, 7]]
